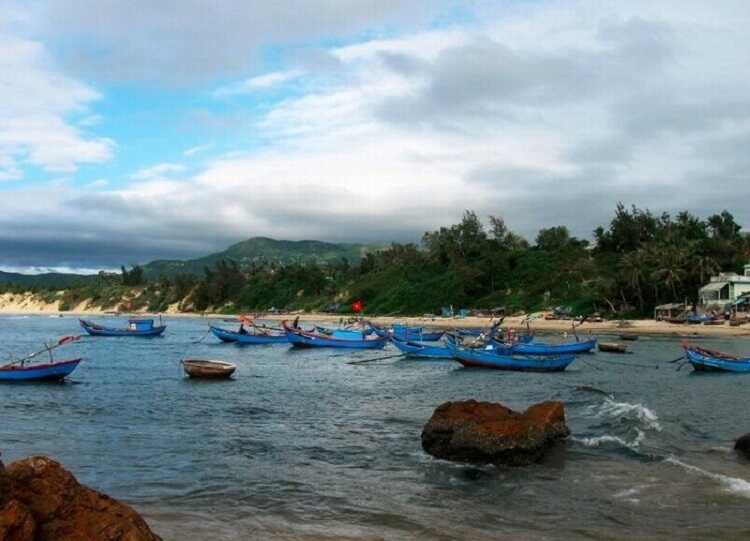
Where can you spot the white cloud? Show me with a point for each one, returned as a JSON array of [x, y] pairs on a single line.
[[158, 171], [36, 101], [260, 82], [192, 151], [547, 115]]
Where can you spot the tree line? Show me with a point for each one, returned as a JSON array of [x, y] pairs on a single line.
[[639, 260]]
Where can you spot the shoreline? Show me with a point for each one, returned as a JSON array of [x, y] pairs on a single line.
[[639, 327]]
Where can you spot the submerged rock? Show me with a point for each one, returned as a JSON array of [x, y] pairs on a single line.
[[42, 501], [485, 432], [742, 445]]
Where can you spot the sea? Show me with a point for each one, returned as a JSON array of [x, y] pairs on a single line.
[[303, 445]]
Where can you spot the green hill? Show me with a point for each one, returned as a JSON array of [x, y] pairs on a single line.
[[262, 249], [51, 280]]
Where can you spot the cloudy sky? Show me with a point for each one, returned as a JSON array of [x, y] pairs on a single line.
[[136, 130]]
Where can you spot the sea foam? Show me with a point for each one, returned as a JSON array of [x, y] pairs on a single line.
[[638, 412], [733, 485]]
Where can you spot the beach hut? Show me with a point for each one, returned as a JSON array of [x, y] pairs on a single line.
[[665, 312]]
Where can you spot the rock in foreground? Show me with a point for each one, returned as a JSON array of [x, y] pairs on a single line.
[[742, 445], [485, 432], [42, 501]]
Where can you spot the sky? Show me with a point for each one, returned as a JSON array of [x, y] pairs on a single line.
[[137, 130]]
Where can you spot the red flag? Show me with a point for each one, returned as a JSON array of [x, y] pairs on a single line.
[[357, 306]]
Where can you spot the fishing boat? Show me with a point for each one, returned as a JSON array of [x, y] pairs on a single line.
[[706, 360], [196, 368], [422, 350], [26, 370], [256, 336], [301, 338], [346, 332], [136, 327], [539, 348], [490, 358], [404, 332], [629, 337]]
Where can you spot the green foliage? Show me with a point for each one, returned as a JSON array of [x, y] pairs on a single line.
[[637, 261]]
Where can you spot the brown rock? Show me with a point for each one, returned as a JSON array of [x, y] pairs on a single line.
[[16, 522], [65, 510], [485, 432]]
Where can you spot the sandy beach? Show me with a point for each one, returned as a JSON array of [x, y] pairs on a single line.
[[24, 304]]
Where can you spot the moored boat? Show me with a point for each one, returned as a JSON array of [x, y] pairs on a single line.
[[419, 334], [489, 358], [255, 337], [198, 368], [419, 349], [136, 327], [53, 371], [301, 338], [540, 348], [706, 360]]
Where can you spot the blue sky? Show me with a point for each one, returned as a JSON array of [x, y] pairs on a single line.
[[135, 130]]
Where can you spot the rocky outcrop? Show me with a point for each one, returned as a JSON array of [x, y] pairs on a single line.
[[742, 445], [42, 501], [485, 432]]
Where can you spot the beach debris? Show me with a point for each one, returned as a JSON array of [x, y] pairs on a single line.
[[487, 432], [613, 347], [42, 501], [742, 445]]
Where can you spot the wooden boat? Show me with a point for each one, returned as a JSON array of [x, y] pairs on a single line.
[[714, 322], [422, 350], [136, 327], [539, 348], [256, 336], [196, 368], [301, 338], [53, 371], [706, 360], [629, 337], [489, 358], [612, 347]]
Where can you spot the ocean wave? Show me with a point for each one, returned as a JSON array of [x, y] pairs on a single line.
[[638, 412], [733, 485], [599, 441]]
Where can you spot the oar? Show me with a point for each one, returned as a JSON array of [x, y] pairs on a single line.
[[677, 359], [376, 359]]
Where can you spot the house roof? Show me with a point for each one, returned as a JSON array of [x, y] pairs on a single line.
[[713, 286]]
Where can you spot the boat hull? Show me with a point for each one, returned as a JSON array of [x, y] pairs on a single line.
[[424, 351], [303, 339], [46, 372], [518, 363], [107, 331], [256, 339], [704, 363], [208, 369], [536, 348]]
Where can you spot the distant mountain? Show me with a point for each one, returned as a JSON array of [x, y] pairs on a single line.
[[260, 249], [47, 280]]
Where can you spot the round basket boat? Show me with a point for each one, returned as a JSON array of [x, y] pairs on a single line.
[[197, 368]]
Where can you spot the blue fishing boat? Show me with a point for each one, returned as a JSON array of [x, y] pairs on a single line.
[[419, 349], [706, 360], [345, 333], [38, 372], [301, 338], [136, 327], [539, 348], [254, 337], [26, 370], [489, 358], [418, 334]]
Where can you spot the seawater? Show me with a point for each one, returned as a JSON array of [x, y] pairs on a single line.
[[301, 445]]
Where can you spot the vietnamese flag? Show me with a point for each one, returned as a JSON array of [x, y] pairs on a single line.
[[357, 306]]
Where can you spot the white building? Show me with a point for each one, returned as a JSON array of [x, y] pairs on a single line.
[[724, 290]]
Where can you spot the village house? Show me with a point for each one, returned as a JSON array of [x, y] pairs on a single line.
[[724, 291]]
